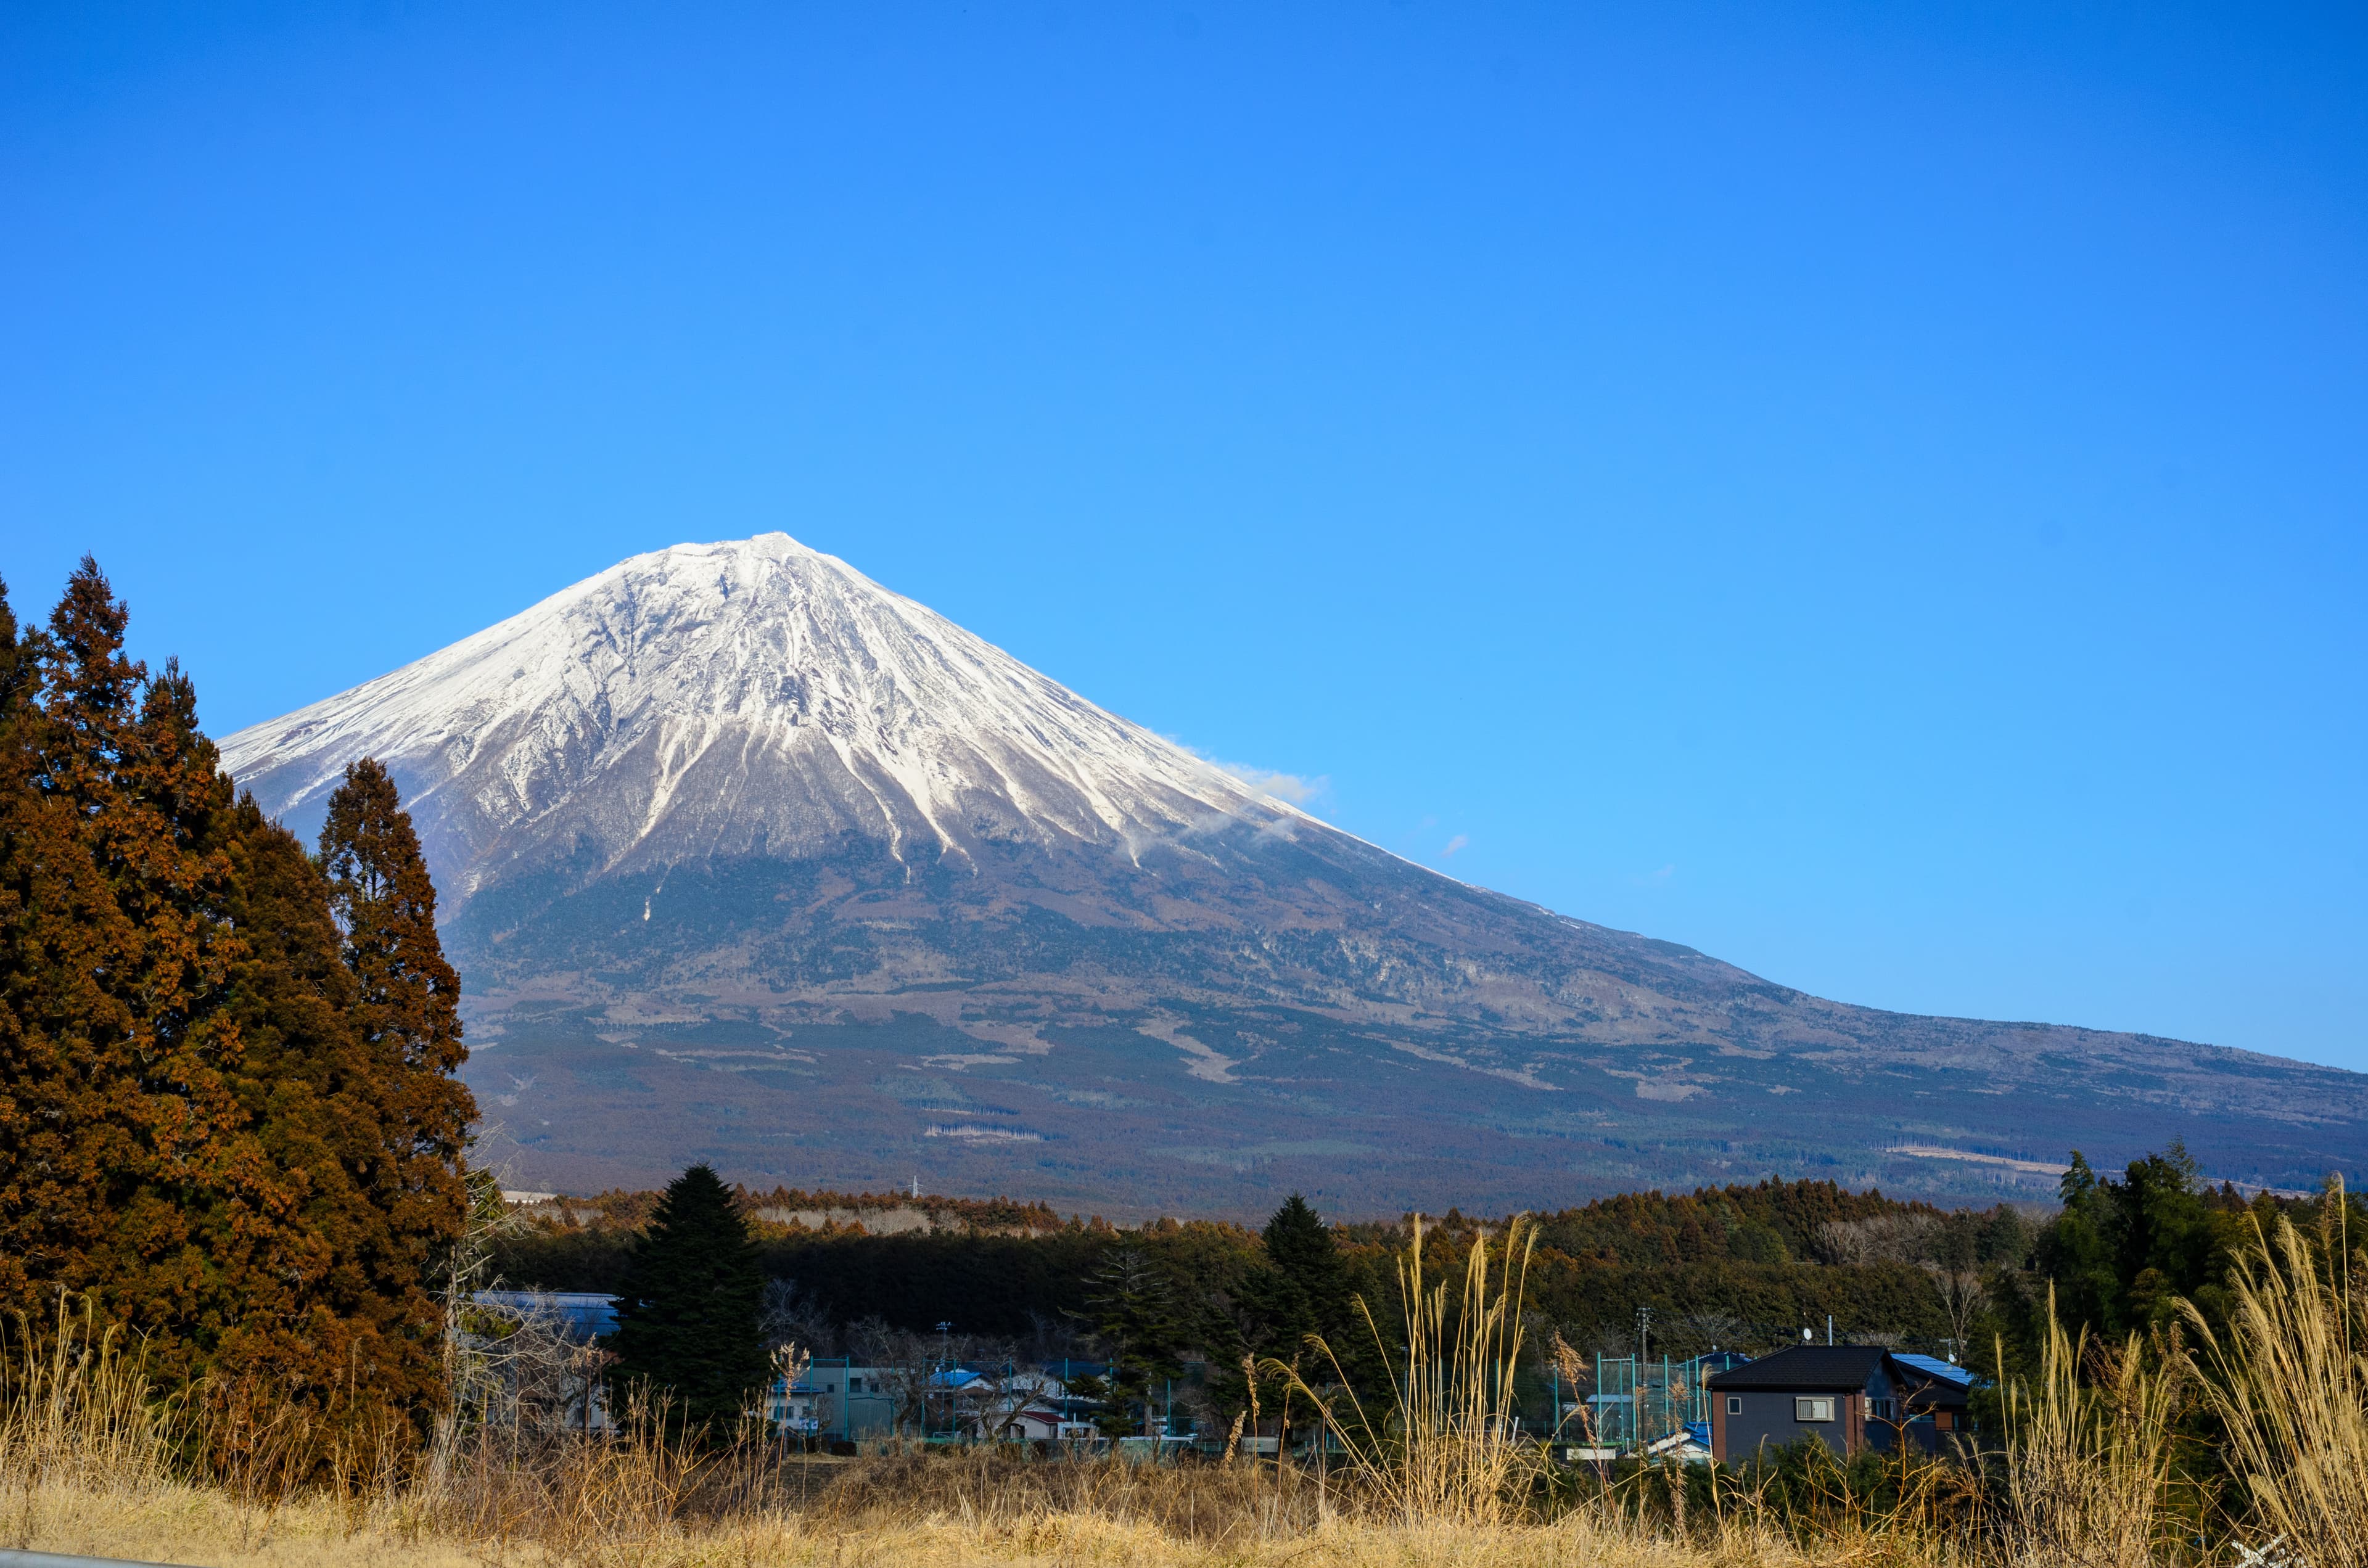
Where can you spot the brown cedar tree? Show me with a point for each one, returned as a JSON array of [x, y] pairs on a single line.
[[227, 1108]]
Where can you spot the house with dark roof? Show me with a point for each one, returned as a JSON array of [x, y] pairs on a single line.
[[581, 1316], [1853, 1398]]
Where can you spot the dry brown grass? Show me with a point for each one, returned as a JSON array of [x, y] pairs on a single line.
[[1447, 1452], [88, 1465], [2088, 1457], [176, 1522], [2290, 1383], [78, 1411]]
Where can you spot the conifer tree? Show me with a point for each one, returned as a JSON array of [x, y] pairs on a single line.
[[67, 1032], [334, 1317], [1308, 1285], [688, 1308], [1135, 1310], [404, 1115], [226, 1111], [23, 1050], [124, 1131], [1300, 1286]]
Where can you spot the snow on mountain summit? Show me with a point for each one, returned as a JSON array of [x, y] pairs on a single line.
[[732, 698]]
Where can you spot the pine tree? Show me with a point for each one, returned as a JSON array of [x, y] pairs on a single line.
[[1308, 1284], [1301, 1285], [1135, 1309], [688, 1308]]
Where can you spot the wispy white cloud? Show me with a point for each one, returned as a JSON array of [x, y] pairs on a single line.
[[1291, 787], [1296, 789], [1458, 842]]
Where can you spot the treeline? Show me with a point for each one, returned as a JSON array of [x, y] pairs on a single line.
[[788, 1204], [1737, 1267], [2122, 1251], [228, 1114], [1717, 1265]]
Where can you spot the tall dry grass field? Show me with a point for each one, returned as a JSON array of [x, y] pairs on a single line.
[[90, 1461]]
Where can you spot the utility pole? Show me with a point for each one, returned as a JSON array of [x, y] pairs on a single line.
[[1643, 1345], [945, 1354]]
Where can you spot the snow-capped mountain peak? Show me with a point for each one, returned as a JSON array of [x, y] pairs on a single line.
[[723, 697]]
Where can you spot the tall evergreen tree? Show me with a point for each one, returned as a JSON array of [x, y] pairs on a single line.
[[1300, 1286], [226, 1114], [406, 1114], [688, 1308], [1307, 1286], [1135, 1309], [338, 1311], [63, 1140], [25, 1050], [126, 1134]]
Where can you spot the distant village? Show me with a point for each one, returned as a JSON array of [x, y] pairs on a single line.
[[1721, 1406], [1714, 1326]]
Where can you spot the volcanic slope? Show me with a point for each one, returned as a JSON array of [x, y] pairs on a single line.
[[744, 857]]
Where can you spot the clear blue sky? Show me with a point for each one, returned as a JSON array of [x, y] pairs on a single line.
[[1876, 493]]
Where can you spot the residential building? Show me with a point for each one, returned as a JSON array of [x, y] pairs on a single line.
[[1853, 1398]]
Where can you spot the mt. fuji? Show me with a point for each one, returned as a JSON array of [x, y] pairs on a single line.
[[755, 696], [744, 857]]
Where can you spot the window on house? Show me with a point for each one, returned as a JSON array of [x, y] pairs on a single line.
[[1881, 1409], [1818, 1408], [1734, 1405]]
